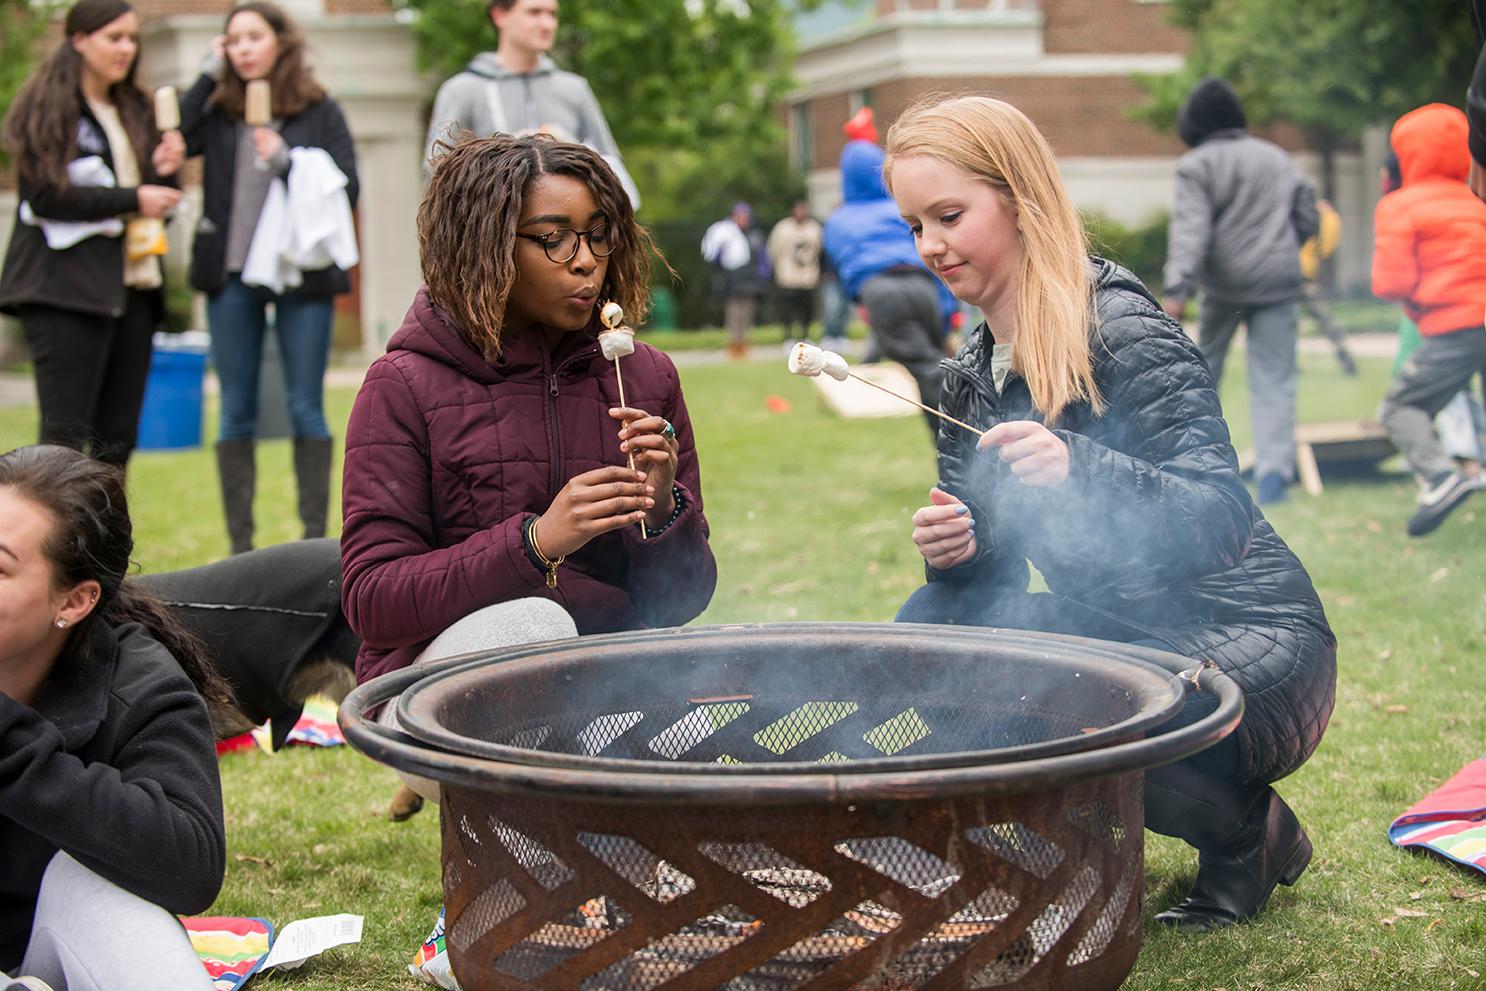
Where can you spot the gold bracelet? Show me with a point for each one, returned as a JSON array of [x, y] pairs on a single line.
[[536, 548]]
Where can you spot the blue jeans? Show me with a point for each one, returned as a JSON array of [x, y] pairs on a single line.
[[237, 322]]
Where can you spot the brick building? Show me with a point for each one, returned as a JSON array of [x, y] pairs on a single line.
[[365, 57], [1068, 64]]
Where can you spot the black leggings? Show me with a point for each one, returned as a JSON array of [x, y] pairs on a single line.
[[90, 374]]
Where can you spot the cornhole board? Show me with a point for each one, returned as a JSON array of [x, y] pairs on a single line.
[[1331, 442], [856, 400]]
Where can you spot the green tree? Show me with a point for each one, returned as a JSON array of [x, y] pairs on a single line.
[[1331, 67], [691, 89], [22, 24]]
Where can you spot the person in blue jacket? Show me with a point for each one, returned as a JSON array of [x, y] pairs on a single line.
[[872, 250]]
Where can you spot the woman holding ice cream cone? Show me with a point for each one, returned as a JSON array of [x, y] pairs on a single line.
[[1107, 464], [257, 115]]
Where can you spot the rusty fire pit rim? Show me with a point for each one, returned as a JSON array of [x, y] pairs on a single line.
[[399, 750], [1155, 687]]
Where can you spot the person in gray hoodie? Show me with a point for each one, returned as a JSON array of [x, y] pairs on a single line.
[[518, 89], [1242, 211]]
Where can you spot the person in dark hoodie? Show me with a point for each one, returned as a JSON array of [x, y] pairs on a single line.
[[93, 174], [872, 252], [518, 89], [110, 804], [1242, 212], [1107, 465]]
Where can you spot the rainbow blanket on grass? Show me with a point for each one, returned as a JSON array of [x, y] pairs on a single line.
[[1451, 820], [231, 949]]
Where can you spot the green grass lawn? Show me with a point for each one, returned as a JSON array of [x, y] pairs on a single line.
[[810, 519]]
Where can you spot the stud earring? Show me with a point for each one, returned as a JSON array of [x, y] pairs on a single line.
[[61, 624]]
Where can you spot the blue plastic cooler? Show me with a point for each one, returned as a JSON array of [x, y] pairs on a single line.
[[171, 415]]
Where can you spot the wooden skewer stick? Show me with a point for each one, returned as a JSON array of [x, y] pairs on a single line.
[[620, 376], [927, 409]]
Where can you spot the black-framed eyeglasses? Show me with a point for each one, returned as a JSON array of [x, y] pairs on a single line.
[[561, 245]]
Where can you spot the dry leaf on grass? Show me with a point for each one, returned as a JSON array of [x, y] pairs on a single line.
[[1385, 655], [1467, 895], [1440, 575], [1396, 710], [1410, 913]]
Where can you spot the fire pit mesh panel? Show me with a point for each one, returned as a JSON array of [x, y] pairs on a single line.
[[1015, 891], [815, 730]]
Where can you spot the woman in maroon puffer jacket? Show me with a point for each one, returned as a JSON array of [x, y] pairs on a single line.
[[487, 495]]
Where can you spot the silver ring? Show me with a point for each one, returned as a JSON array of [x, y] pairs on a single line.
[[668, 431]]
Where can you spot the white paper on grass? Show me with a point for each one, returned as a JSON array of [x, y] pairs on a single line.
[[298, 941]]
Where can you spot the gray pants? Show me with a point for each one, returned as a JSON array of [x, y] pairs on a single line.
[[1437, 369], [89, 934], [737, 317], [903, 312], [505, 624], [1272, 373]]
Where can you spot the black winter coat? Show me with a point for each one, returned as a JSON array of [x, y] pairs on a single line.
[[211, 133], [115, 765], [89, 276], [1153, 535], [263, 615]]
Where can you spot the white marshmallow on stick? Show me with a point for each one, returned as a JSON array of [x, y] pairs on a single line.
[[810, 361], [617, 342], [167, 109], [258, 104]]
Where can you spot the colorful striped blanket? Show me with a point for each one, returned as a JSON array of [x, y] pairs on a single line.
[[230, 949], [1451, 820]]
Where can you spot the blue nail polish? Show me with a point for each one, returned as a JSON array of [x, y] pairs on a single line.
[[961, 510]]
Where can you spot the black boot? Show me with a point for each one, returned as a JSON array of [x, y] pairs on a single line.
[[238, 474], [312, 473], [1247, 841]]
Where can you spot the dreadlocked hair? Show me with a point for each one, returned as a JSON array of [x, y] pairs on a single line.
[[472, 209], [91, 540]]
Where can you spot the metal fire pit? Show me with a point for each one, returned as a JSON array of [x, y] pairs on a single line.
[[779, 807]]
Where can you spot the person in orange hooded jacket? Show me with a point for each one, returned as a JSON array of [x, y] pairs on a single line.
[[1430, 253]]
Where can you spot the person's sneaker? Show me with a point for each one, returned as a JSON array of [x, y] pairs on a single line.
[[1435, 503], [1272, 489]]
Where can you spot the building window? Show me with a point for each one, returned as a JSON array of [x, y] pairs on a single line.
[[857, 99], [801, 137]]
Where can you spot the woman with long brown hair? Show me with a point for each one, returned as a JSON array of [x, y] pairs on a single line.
[[261, 42], [1107, 464], [110, 805], [82, 272]]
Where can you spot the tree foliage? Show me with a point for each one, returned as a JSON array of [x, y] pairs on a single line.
[[698, 77], [1332, 67], [691, 89], [22, 24]]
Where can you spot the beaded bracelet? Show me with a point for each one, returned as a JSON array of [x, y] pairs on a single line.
[[680, 501]]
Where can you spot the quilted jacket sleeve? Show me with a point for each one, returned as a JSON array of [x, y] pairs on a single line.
[[399, 589], [997, 561], [673, 573], [1168, 504]]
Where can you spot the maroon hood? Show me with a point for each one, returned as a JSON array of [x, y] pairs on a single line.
[[447, 454]]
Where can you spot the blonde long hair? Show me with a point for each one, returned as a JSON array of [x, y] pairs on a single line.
[[997, 143]]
